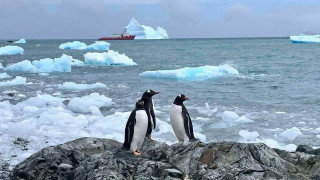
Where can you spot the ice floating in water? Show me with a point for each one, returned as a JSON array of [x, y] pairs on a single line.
[[77, 45], [1, 67], [206, 110], [193, 73], [108, 58], [11, 50], [16, 81], [302, 38], [230, 119], [291, 134], [74, 86], [4, 76], [83, 104], [145, 32], [61, 64], [250, 136], [20, 41]]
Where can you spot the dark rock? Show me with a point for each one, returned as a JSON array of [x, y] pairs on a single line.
[[94, 158]]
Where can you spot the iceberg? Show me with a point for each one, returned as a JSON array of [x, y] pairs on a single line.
[[83, 104], [20, 41], [4, 76], [108, 58], [145, 32], [61, 64], [77, 45], [302, 38], [11, 50], [74, 86], [193, 73], [1, 67], [291, 134], [16, 81]]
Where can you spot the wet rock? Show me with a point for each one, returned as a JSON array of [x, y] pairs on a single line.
[[94, 158]]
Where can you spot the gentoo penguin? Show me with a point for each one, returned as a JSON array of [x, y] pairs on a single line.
[[136, 128], [148, 106], [181, 120]]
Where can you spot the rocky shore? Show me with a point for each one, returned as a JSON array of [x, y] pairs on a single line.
[[99, 159]]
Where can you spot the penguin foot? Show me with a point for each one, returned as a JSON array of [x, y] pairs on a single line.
[[137, 153], [150, 138]]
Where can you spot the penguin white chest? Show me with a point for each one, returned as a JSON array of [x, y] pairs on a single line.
[[140, 130], [177, 122]]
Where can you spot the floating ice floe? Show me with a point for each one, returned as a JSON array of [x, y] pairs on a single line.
[[302, 38], [74, 86], [4, 76], [193, 73], [145, 32], [20, 41], [16, 81], [77, 45], [108, 58], [83, 104], [1, 67], [291, 133], [61, 64], [11, 50], [207, 110], [230, 119], [250, 136]]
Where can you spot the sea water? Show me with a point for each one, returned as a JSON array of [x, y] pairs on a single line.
[[274, 98]]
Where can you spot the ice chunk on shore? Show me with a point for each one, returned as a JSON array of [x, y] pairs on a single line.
[[250, 136], [61, 64], [193, 73], [77, 45], [11, 50], [16, 81], [108, 58], [291, 134], [302, 38], [84, 103], [4, 76], [145, 32], [74, 86], [20, 41]]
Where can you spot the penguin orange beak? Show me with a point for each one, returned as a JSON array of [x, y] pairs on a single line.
[[185, 98], [156, 92]]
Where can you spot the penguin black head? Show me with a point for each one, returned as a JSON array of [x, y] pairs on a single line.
[[140, 104], [179, 99], [149, 93]]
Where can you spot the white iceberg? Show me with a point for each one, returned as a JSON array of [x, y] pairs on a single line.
[[83, 104], [11, 50], [20, 41], [108, 58], [193, 73], [250, 136], [145, 32], [302, 38], [230, 119], [77, 45], [16, 81], [74, 86], [291, 133], [61, 64], [4, 76]]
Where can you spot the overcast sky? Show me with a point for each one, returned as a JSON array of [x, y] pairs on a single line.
[[83, 19]]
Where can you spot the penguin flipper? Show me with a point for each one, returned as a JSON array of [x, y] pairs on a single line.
[[149, 130], [129, 130], [153, 118], [187, 123]]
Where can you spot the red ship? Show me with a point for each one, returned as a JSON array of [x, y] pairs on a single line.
[[124, 36]]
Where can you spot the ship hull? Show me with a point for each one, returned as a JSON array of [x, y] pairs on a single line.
[[131, 37]]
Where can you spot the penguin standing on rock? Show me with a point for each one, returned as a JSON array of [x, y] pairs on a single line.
[[136, 128], [148, 106], [181, 120]]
